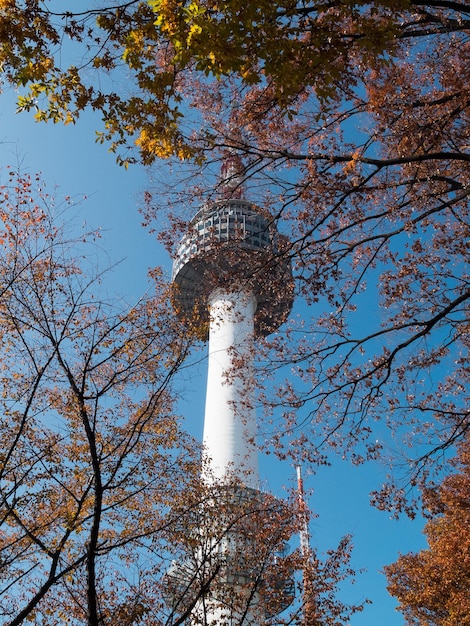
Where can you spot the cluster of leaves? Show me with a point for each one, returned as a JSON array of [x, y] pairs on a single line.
[[287, 45], [93, 457], [433, 585]]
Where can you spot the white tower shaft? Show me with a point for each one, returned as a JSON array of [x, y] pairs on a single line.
[[230, 417], [228, 242]]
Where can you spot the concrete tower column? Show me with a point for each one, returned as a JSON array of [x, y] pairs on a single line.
[[229, 243], [230, 417]]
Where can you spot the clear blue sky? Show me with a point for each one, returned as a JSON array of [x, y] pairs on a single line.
[[68, 158]]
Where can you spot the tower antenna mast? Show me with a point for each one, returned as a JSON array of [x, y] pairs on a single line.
[[309, 604], [303, 517]]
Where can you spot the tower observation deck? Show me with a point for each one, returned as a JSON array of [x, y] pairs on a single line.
[[230, 273], [232, 244]]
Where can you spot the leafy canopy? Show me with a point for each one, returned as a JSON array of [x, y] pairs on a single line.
[[64, 60], [433, 585], [93, 457], [352, 122]]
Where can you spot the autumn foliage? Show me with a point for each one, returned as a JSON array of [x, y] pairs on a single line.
[[433, 585], [351, 120], [93, 457], [103, 516], [365, 167], [280, 48]]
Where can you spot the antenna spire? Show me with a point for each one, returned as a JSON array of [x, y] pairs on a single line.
[[304, 534], [231, 173], [310, 611]]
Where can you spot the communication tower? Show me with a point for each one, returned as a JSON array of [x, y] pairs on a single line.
[[229, 271]]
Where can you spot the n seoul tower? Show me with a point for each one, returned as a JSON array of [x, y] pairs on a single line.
[[228, 271]]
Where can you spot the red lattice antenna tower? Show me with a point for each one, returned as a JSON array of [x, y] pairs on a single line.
[[303, 515], [309, 603], [232, 179]]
